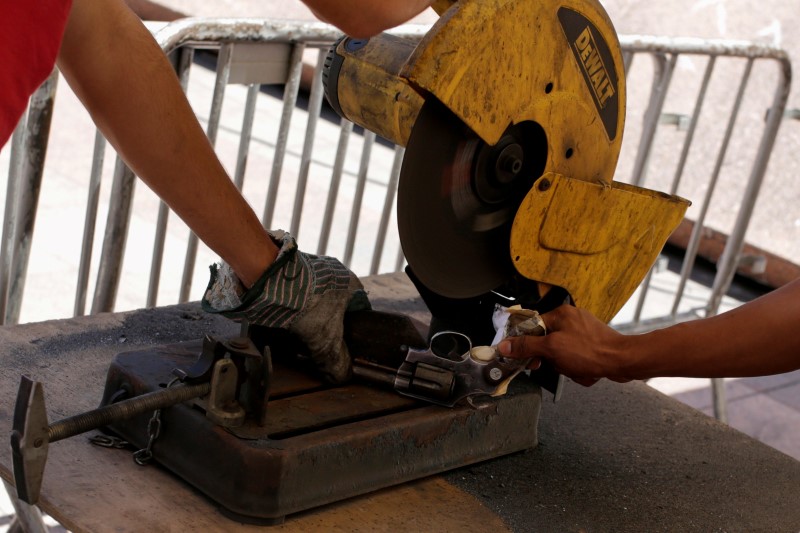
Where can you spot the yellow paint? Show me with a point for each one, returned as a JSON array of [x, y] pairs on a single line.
[[496, 63], [597, 241], [371, 92], [491, 63]]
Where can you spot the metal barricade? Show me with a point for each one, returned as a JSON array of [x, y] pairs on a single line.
[[765, 113], [666, 53], [263, 52], [255, 54]]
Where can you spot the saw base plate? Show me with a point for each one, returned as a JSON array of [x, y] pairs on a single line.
[[321, 444]]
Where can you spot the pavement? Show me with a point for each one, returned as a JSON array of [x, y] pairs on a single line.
[[766, 408]]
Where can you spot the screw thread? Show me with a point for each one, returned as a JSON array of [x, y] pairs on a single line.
[[125, 409]]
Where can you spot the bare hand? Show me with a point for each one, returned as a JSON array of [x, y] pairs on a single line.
[[579, 346]]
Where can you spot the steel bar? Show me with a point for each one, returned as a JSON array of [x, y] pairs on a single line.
[[694, 239], [710, 47], [662, 72], [40, 114], [217, 98], [314, 108], [691, 250], [116, 234], [158, 254], [698, 107], [358, 197], [246, 135], [333, 190], [400, 260], [643, 288], [124, 410], [211, 32], [718, 394], [383, 226], [10, 213], [654, 107], [627, 60], [290, 91], [90, 222], [726, 267]]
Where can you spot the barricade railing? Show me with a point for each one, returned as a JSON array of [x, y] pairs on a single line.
[[665, 54], [259, 54]]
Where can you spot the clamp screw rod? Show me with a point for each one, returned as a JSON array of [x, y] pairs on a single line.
[[125, 409]]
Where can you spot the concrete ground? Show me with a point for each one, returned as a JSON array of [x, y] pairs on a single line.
[[766, 408]]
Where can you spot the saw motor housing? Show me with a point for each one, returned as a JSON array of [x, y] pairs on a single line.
[[553, 68]]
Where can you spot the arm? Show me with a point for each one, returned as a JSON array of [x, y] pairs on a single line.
[[757, 338], [123, 78], [365, 18]]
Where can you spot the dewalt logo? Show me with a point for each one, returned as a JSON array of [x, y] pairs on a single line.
[[593, 66], [595, 62]]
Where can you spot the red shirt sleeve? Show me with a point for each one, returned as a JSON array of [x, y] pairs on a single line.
[[30, 36]]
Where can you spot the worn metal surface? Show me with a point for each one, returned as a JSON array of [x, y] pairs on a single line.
[[531, 65], [26, 174], [598, 242], [365, 85], [32, 434], [319, 444], [116, 234]]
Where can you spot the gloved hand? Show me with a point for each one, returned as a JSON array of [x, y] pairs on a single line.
[[306, 294]]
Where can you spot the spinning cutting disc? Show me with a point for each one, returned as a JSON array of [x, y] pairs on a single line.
[[457, 197]]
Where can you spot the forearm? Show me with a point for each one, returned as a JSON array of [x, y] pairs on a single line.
[[122, 77], [365, 18], [757, 338]]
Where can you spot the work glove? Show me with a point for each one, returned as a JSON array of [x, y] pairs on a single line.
[[305, 294]]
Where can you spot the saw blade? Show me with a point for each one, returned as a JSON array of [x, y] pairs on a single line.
[[457, 197]]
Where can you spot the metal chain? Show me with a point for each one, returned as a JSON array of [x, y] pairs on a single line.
[[144, 456]]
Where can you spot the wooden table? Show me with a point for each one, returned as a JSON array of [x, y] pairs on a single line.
[[612, 457]]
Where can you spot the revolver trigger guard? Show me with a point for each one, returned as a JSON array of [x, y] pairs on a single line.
[[446, 377]]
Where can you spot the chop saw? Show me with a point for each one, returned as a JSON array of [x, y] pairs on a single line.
[[511, 113]]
